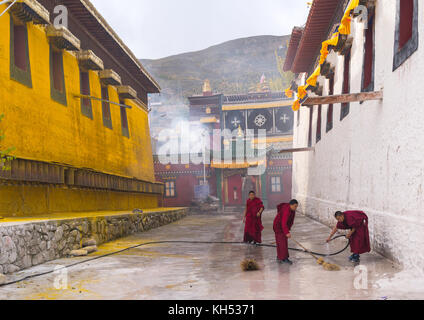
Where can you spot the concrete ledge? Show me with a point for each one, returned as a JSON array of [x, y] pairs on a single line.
[[29, 242]]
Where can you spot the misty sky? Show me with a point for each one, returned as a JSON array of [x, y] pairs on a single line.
[[160, 28]]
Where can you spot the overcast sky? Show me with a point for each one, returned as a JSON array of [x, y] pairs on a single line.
[[160, 28]]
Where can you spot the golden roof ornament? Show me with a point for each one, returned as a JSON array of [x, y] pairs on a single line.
[[207, 87]]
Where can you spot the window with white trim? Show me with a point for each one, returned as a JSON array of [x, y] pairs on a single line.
[[170, 189], [276, 184]]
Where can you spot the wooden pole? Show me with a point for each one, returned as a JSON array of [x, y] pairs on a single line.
[[83, 96], [297, 150], [344, 98]]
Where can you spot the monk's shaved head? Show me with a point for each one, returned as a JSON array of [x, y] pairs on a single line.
[[294, 204], [339, 216]]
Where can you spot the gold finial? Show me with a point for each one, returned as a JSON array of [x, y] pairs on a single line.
[[240, 132], [207, 87]]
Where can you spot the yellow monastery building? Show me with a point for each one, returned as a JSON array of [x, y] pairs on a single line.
[[74, 102]]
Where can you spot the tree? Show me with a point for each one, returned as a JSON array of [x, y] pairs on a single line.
[[5, 157], [287, 77]]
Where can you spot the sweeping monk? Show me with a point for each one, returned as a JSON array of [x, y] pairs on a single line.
[[283, 223], [357, 223], [253, 219]]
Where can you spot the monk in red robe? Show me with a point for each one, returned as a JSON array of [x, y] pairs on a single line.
[[253, 219], [283, 223], [357, 223]]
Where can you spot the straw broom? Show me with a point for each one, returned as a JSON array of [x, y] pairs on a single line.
[[327, 266], [249, 265]]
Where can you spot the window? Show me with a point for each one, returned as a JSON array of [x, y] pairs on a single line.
[[330, 106], [57, 76], [406, 32], [368, 64], [86, 108], [170, 189], [124, 120], [276, 184], [311, 112], [319, 120], [346, 85], [107, 117], [20, 69]]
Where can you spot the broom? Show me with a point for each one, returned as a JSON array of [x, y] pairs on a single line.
[[249, 265], [327, 266]]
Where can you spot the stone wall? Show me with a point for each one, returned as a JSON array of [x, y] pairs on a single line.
[[29, 244]]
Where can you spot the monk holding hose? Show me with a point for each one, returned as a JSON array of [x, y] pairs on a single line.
[[253, 219], [357, 223], [283, 223]]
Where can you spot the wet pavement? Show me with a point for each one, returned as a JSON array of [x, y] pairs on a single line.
[[212, 271]]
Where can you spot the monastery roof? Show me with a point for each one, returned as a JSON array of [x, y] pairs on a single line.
[[318, 26], [92, 21]]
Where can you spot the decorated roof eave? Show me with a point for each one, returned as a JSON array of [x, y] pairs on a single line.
[[118, 40], [100, 28], [322, 16], [340, 41], [293, 47]]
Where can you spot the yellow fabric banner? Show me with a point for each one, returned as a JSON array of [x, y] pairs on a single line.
[[347, 20], [289, 93], [296, 106], [330, 42], [301, 92], [312, 81]]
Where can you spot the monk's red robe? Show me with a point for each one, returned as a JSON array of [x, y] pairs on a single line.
[[253, 228], [360, 240], [283, 223]]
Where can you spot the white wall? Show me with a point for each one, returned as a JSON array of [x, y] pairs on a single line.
[[373, 160]]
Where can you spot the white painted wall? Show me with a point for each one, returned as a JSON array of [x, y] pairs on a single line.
[[373, 160]]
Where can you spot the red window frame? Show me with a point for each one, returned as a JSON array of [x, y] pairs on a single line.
[[345, 107], [406, 12], [330, 110], [86, 107], [124, 120], [406, 31], [311, 113], [319, 124], [107, 116], [369, 57]]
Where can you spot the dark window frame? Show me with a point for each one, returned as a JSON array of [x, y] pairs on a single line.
[[319, 124], [16, 73], [85, 89], [124, 120], [330, 109], [311, 114], [371, 28], [107, 121], [174, 188], [403, 54], [57, 95], [272, 184], [345, 107]]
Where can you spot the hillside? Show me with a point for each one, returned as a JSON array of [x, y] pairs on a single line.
[[232, 67]]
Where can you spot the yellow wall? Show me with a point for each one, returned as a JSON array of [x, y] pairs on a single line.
[[44, 130], [30, 200]]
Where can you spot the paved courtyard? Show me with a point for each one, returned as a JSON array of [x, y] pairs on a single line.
[[212, 271]]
